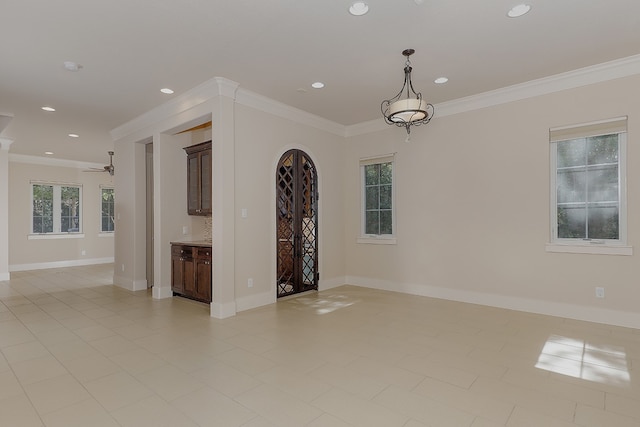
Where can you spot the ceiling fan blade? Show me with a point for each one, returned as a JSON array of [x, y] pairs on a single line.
[[107, 168]]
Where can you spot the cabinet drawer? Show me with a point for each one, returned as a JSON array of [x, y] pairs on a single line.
[[203, 252], [182, 251]]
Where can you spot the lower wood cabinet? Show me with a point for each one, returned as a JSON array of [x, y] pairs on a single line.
[[191, 271]]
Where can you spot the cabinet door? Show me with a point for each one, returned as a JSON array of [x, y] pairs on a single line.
[[203, 279], [193, 184], [205, 182], [189, 277], [177, 274]]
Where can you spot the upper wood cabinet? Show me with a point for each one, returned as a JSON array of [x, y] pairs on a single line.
[[199, 179]]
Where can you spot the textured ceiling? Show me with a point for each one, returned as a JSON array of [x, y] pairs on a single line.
[[131, 49]]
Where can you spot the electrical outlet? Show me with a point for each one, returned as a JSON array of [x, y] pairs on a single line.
[[122, 268], [250, 283], [84, 252], [599, 292]]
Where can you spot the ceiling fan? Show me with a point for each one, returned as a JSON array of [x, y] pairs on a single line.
[[107, 168]]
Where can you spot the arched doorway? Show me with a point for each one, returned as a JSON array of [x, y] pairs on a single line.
[[297, 223]]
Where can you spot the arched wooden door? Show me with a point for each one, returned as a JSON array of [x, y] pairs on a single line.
[[297, 223]]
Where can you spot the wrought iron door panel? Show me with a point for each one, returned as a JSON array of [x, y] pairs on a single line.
[[297, 230]]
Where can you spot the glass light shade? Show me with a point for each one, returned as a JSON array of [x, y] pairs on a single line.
[[408, 110]]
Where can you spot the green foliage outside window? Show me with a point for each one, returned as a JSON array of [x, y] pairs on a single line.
[[108, 209], [588, 188], [56, 209], [378, 198], [42, 208]]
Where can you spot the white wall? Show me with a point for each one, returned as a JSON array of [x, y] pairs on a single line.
[[472, 209], [26, 254], [5, 143]]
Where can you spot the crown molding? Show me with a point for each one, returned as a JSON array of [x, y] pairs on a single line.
[[572, 79], [48, 161], [5, 143], [220, 86], [5, 119], [279, 109], [227, 87], [183, 102], [606, 71]]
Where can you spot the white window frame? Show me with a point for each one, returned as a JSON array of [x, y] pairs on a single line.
[[380, 239], [104, 233], [57, 217], [590, 246]]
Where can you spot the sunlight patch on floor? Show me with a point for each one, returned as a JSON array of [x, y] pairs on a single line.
[[325, 305], [581, 359]]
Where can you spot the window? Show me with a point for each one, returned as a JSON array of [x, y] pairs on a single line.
[[56, 208], [378, 219], [107, 210], [588, 205]]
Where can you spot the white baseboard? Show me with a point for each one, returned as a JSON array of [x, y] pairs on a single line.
[[161, 292], [140, 285], [255, 301], [4, 276], [123, 282], [570, 311], [323, 285], [130, 284], [222, 310], [60, 264], [266, 298]]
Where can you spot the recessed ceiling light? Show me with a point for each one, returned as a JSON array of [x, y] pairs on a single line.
[[72, 66], [48, 109], [48, 153], [359, 8], [166, 90], [317, 85], [441, 80], [519, 10], [74, 135]]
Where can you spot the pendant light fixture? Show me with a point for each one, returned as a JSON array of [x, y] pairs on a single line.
[[410, 109]]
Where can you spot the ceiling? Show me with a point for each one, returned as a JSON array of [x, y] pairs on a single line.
[[129, 50]]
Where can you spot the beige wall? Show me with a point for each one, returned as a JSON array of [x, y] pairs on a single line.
[[247, 144], [472, 204], [33, 254], [261, 139]]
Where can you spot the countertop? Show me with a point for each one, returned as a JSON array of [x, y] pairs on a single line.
[[202, 243]]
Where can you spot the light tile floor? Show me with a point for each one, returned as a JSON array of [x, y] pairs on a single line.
[[77, 351]]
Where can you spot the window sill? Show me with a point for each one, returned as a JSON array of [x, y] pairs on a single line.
[[589, 249], [106, 234], [51, 236], [371, 240]]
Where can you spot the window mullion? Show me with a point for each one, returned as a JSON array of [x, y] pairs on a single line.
[[379, 199], [587, 208]]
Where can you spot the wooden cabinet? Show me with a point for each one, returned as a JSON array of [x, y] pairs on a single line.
[[191, 271], [199, 179]]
